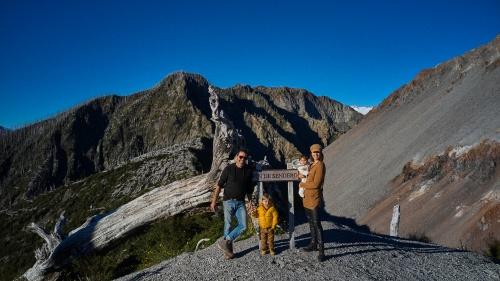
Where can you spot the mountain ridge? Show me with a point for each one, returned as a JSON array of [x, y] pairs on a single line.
[[107, 131], [455, 104]]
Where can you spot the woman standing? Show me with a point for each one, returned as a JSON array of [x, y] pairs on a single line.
[[312, 198]]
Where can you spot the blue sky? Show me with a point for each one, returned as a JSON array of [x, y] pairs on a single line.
[[55, 54]]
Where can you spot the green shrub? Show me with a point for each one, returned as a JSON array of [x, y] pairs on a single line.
[[146, 247], [493, 249]]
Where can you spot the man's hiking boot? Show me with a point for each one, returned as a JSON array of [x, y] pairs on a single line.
[[272, 252], [263, 253], [227, 247], [228, 257], [231, 251]]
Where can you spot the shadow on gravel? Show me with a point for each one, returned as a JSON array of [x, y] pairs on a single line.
[[348, 235], [246, 251], [144, 274], [358, 238]]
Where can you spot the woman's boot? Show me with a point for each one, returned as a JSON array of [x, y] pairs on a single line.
[[313, 246]]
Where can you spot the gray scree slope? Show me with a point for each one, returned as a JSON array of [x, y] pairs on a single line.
[[453, 104]]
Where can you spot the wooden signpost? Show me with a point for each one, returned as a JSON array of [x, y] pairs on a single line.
[[276, 175], [290, 176]]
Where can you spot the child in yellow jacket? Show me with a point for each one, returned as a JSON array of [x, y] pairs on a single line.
[[268, 220]]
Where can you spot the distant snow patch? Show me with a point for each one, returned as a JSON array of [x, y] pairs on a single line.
[[362, 109]]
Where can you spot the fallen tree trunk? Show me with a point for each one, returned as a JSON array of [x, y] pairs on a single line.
[[101, 230]]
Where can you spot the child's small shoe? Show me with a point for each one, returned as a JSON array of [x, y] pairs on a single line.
[[262, 253]]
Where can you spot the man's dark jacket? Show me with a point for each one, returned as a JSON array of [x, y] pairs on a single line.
[[237, 182]]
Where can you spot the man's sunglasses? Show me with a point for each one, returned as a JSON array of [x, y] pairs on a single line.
[[242, 157]]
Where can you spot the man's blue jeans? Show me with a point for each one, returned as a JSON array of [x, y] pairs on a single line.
[[234, 208]]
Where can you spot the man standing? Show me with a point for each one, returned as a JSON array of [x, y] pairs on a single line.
[[236, 179]]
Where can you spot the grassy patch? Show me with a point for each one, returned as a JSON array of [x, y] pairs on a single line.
[[148, 246]]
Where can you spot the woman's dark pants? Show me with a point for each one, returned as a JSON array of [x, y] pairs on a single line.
[[316, 243]]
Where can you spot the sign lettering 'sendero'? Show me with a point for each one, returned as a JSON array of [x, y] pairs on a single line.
[[276, 175]]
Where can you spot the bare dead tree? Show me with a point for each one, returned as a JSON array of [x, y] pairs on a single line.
[[101, 230]]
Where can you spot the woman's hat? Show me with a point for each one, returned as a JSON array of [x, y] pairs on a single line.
[[315, 148]]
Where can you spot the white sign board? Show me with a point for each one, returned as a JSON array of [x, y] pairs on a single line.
[[276, 175]]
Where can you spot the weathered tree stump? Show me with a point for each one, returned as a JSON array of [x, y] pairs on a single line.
[[394, 228], [101, 230]]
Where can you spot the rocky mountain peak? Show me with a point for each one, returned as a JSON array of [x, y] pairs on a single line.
[[183, 78], [106, 132]]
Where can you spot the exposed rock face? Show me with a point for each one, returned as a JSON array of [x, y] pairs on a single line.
[[161, 167], [452, 198], [47, 154], [107, 132], [281, 123], [175, 111], [455, 104]]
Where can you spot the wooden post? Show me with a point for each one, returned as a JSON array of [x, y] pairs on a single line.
[[394, 228], [261, 191], [291, 211]]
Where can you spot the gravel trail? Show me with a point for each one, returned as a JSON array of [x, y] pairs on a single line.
[[351, 255]]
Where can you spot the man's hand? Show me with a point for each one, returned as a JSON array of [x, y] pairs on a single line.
[[213, 206]]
